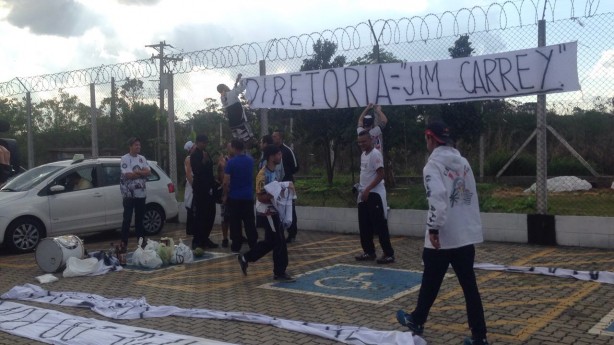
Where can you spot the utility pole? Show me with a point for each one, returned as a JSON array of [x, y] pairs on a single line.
[[166, 83]]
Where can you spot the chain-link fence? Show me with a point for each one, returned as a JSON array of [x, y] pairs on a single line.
[[503, 139]]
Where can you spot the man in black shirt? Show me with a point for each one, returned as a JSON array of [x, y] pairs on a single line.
[[203, 204], [290, 164]]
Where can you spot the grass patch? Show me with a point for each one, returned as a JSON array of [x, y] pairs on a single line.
[[493, 198]]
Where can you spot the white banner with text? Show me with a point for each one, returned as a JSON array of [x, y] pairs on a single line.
[[548, 69]]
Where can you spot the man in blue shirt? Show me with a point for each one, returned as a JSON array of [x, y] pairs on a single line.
[[239, 196]]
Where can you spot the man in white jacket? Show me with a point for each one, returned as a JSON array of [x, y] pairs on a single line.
[[453, 226]]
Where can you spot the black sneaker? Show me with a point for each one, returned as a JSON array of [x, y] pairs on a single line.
[[243, 264], [225, 243], [365, 257], [385, 260], [210, 244], [407, 320], [471, 341], [284, 278]]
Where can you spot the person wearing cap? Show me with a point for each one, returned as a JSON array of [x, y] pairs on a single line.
[[373, 120], [267, 217], [134, 172], [203, 204], [188, 193], [372, 205], [453, 227], [237, 120], [239, 196]]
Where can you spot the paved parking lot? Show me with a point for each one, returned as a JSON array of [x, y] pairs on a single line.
[[334, 289]]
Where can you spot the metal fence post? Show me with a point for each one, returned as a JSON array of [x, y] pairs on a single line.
[[172, 145], [264, 113], [94, 127], [30, 134], [541, 191]]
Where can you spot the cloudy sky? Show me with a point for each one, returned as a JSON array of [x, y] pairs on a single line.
[[51, 36], [48, 36]]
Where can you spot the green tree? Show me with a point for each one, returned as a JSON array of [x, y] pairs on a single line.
[[372, 57], [132, 91], [325, 129], [464, 117]]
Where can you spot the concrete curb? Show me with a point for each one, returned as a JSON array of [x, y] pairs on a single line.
[[579, 231]]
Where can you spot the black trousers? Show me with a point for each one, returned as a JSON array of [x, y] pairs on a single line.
[[371, 220], [189, 222], [138, 206], [436, 262], [241, 213], [203, 208], [273, 240]]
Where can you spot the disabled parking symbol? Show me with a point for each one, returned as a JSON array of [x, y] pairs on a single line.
[[369, 284], [359, 281]]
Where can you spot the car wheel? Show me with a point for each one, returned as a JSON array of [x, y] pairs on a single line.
[[23, 235], [153, 221]]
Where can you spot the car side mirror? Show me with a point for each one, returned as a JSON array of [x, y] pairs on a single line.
[[57, 188]]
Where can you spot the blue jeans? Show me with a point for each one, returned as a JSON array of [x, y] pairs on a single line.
[[138, 206]]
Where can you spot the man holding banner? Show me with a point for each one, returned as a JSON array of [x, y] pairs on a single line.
[[373, 122], [237, 120]]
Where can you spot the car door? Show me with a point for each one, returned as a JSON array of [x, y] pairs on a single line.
[[109, 174], [79, 206]]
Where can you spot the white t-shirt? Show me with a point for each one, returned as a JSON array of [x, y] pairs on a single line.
[[369, 163], [132, 188]]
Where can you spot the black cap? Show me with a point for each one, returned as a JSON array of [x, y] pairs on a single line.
[[367, 120], [440, 131], [202, 138]]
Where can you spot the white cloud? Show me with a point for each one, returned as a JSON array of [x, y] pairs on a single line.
[[604, 67]]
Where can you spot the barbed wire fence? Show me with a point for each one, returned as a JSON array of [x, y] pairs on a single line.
[[499, 27]]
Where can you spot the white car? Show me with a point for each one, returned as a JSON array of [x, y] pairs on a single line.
[[47, 201]]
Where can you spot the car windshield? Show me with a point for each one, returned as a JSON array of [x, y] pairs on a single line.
[[30, 178]]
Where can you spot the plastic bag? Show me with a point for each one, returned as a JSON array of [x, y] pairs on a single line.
[[152, 245], [47, 278], [146, 257], [80, 267], [182, 254]]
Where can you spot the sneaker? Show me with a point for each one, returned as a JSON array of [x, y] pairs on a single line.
[[210, 244], [407, 320], [284, 278], [243, 264], [385, 260], [471, 341], [225, 243], [365, 257]]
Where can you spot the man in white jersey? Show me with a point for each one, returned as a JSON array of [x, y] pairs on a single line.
[[134, 172], [372, 206], [373, 120]]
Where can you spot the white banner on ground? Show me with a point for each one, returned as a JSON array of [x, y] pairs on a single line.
[[126, 308], [525, 72], [596, 276], [54, 327]]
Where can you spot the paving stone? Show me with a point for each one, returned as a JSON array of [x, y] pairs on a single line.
[[519, 308]]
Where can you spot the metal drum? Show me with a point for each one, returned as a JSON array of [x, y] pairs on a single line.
[[52, 253]]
